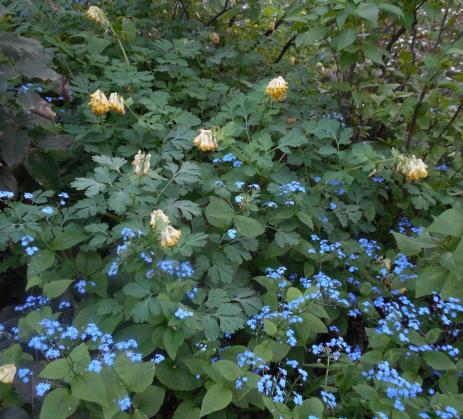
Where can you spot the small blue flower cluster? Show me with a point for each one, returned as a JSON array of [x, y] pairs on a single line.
[[397, 388], [231, 234], [291, 187], [176, 269], [406, 227], [64, 196], [124, 403], [25, 242], [32, 303], [6, 194], [327, 286], [329, 399], [401, 264], [183, 314], [24, 374], [249, 359], [334, 348], [81, 286], [228, 158], [126, 234], [325, 247]]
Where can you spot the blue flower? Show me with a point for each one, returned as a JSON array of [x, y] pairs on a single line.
[[329, 399], [239, 184], [182, 314], [6, 194], [231, 233], [28, 195], [333, 206], [239, 199], [95, 366], [48, 210], [124, 403], [297, 399], [24, 374], [42, 387], [158, 358]]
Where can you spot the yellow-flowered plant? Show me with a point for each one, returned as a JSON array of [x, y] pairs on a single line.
[[214, 37], [97, 15], [99, 103], [170, 236], [412, 168], [159, 218], [141, 163], [7, 373], [116, 103], [206, 141], [277, 89]]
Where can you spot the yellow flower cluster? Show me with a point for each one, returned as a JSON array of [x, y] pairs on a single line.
[[206, 141], [141, 163], [97, 15], [277, 89], [169, 235], [412, 168], [7, 373], [100, 104], [214, 37]]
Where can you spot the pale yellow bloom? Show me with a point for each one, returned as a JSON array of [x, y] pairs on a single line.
[[97, 15], [170, 236], [99, 103], [214, 37], [412, 168], [141, 163], [116, 103], [159, 218], [7, 373], [206, 141], [277, 89]]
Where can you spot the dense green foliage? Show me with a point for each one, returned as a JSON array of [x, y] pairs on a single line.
[[307, 259]]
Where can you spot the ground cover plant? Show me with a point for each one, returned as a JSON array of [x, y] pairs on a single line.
[[231, 209]]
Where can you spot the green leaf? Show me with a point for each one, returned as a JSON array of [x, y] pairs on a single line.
[[219, 213], [449, 223], [136, 377], [411, 246], [345, 39], [58, 404], [368, 11], [218, 397], [248, 227], [311, 36], [57, 370], [40, 262], [137, 290], [430, 279], [172, 340], [44, 169], [150, 400], [306, 219], [438, 361], [366, 391], [89, 387], [284, 238], [228, 369], [80, 358], [312, 406], [270, 328], [56, 288], [187, 410], [176, 377], [67, 239]]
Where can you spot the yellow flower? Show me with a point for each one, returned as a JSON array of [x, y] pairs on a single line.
[[206, 141], [214, 37], [7, 373], [97, 15], [412, 168], [159, 218], [277, 89], [170, 236], [141, 163], [116, 103], [99, 103]]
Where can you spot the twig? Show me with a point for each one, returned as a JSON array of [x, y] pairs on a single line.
[[223, 11], [452, 120], [285, 48]]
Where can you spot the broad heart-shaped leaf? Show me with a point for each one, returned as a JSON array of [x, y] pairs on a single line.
[[228, 369], [44, 169], [312, 406], [56, 370], [58, 404], [449, 223], [172, 341], [345, 38], [219, 213], [366, 391], [187, 410], [40, 262], [248, 227], [430, 279], [176, 377], [411, 246], [136, 377], [311, 36], [13, 145], [67, 239], [56, 288], [438, 361], [89, 387], [218, 397], [150, 400]]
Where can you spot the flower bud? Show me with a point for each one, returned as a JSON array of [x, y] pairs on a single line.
[[170, 236], [7, 373], [99, 103], [97, 15], [141, 163], [205, 141], [214, 37], [277, 89], [158, 218], [116, 103]]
